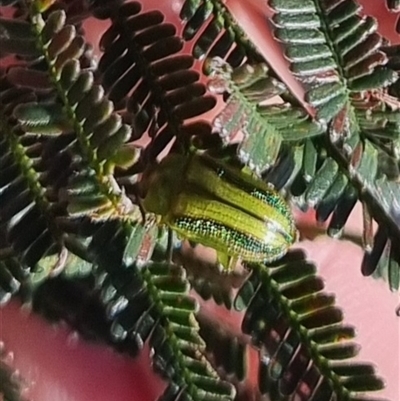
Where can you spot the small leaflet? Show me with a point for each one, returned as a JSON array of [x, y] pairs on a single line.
[[248, 86]]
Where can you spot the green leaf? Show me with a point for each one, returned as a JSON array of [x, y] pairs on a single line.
[[299, 327], [264, 127]]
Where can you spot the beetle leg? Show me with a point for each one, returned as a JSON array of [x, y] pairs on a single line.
[[226, 263], [222, 261], [232, 263]]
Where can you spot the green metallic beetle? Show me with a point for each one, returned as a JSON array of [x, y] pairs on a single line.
[[209, 202]]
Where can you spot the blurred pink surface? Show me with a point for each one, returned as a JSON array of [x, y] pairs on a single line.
[[58, 369]]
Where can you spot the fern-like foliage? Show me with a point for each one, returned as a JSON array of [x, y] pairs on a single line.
[[306, 349], [264, 126], [151, 302], [229, 353], [145, 73], [47, 128], [213, 32], [77, 302], [232, 355], [23, 192], [330, 184], [347, 57], [338, 56], [332, 49], [70, 178], [208, 281], [100, 134], [12, 278], [241, 73]]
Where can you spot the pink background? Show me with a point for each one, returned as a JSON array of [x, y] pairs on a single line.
[[58, 366]]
